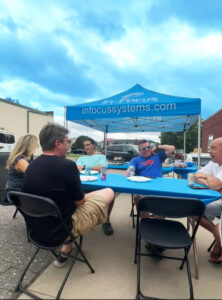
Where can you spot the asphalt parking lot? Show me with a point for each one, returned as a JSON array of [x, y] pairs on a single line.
[[15, 252]]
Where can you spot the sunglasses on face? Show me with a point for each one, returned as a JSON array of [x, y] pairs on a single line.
[[145, 148]]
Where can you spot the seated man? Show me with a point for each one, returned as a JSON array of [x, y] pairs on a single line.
[[92, 160], [211, 175], [53, 176], [149, 163]]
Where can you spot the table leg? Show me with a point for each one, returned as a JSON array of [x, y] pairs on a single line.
[[116, 194]]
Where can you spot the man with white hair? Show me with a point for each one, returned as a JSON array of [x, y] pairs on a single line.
[[211, 175]]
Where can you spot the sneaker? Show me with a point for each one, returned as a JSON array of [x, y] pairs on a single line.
[[107, 228], [61, 261], [154, 250]]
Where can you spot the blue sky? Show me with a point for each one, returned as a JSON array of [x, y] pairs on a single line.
[[55, 53]]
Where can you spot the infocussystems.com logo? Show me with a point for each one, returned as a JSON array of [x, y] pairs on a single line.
[[128, 108]]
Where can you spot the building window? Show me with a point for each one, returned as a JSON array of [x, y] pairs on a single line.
[[209, 140]]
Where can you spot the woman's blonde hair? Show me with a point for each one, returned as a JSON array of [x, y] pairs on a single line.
[[26, 145]]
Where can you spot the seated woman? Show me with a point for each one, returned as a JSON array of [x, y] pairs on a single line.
[[19, 160]]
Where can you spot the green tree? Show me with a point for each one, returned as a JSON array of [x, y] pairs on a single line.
[[176, 138], [79, 142]]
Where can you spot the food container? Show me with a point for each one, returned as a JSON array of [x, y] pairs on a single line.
[[190, 179], [87, 170]]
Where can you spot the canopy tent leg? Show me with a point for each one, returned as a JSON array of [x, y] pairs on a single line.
[[198, 159], [105, 139], [65, 121], [184, 145]]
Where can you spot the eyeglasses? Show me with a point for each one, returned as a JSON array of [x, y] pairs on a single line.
[[145, 148], [67, 141]]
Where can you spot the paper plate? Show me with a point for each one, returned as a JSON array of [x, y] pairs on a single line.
[[88, 178], [92, 172], [138, 178]]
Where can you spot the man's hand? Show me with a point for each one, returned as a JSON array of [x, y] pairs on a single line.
[[80, 202], [80, 168], [213, 182], [97, 168], [200, 175], [127, 172], [168, 148]]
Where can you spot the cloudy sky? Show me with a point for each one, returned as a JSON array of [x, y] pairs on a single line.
[[55, 53]]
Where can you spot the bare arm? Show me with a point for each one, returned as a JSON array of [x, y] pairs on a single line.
[[21, 165], [80, 202], [213, 182], [97, 168], [80, 168], [127, 172], [168, 148]]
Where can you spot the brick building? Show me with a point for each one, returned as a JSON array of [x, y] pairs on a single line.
[[211, 129]]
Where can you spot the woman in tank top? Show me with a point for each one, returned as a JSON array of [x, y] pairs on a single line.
[[19, 160]]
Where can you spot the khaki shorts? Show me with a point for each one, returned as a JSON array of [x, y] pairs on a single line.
[[87, 216]]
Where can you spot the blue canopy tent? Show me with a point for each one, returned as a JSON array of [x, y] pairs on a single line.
[[137, 110]]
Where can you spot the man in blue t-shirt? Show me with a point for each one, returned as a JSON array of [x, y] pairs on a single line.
[[149, 163]]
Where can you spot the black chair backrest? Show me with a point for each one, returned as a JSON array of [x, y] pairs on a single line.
[[34, 206], [40, 212], [171, 207], [3, 172]]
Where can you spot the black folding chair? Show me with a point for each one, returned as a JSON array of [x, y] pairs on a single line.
[[4, 201], [166, 233], [211, 245], [40, 207], [3, 179]]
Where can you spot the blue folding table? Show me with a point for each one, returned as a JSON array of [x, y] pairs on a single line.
[[156, 186], [182, 172]]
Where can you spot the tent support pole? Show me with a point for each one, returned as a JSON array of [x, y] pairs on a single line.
[[105, 139], [184, 145], [65, 121], [198, 159]]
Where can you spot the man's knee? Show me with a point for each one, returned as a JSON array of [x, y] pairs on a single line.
[[109, 195], [110, 191]]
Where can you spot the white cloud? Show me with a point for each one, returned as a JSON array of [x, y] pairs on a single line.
[[145, 51], [31, 93], [172, 43]]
